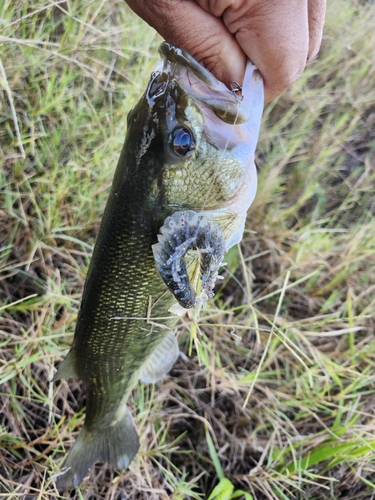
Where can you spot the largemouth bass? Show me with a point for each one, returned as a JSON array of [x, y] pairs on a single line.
[[184, 181]]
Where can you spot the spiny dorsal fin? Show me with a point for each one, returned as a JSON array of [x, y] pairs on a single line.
[[161, 360]]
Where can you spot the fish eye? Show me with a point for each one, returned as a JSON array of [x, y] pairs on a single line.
[[182, 141]]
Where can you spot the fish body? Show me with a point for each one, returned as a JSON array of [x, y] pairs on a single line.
[[189, 148]]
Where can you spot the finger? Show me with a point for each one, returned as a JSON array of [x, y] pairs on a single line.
[[274, 35], [316, 15], [204, 36]]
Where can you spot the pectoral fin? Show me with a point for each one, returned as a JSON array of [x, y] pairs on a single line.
[[161, 360]]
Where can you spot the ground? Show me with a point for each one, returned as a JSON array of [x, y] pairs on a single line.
[[276, 388]]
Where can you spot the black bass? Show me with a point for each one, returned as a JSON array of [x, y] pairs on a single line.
[[184, 181]]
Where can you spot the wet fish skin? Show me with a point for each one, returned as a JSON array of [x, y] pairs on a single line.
[[114, 344]]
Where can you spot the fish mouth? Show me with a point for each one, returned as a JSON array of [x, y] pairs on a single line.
[[174, 54], [229, 125], [202, 86]]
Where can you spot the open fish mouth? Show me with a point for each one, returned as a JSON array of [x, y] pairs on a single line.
[[204, 87], [229, 123]]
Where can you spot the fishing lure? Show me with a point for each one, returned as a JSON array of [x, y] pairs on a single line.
[[181, 232]]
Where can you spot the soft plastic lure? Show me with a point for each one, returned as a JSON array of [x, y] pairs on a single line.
[[181, 232]]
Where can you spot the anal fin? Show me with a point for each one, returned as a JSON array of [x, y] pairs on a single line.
[[161, 360]]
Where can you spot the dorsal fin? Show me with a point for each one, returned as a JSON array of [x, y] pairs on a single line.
[[66, 369]]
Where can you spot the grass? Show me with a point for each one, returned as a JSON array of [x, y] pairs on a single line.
[[276, 392]]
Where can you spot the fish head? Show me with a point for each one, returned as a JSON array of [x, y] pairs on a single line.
[[204, 136]]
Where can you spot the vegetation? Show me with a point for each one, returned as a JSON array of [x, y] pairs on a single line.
[[274, 397]]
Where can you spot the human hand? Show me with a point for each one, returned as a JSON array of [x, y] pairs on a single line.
[[278, 36]]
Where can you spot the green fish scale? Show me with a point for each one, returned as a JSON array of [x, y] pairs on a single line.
[[112, 347], [109, 352]]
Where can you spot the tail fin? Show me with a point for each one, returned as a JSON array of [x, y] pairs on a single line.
[[116, 445]]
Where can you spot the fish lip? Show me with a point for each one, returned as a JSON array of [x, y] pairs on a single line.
[[175, 54], [205, 89]]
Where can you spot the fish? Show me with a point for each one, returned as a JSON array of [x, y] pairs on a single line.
[[181, 190]]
